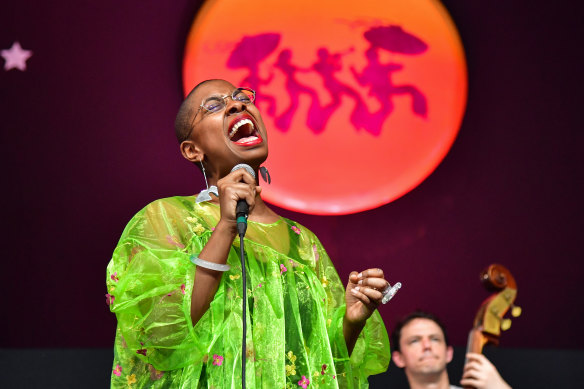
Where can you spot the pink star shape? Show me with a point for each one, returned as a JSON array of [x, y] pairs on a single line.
[[15, 57]]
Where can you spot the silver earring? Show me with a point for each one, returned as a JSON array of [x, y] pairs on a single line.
[[204, 194]]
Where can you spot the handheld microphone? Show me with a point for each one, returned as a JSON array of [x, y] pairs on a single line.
[[242, 208]]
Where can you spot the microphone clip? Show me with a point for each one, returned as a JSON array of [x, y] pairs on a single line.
[[241, 214]]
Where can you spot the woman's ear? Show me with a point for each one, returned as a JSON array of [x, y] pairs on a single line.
[[190, 151]]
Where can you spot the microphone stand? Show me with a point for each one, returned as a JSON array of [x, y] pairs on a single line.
[[241, 227], [243, 309], [241, 211]]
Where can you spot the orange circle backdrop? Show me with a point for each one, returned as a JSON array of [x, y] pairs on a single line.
[[362, 100]]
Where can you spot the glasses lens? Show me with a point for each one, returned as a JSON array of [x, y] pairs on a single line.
[[214, 104], [246, 96]]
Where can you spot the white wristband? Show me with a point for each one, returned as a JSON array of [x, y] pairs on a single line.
[[209, 265]]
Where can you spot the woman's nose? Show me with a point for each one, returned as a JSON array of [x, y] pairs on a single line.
[[234, 106]]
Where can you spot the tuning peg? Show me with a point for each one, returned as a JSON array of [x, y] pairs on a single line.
[[505, 324], [515, 311]]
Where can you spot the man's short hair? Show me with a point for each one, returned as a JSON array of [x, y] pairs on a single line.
[[396, 334]]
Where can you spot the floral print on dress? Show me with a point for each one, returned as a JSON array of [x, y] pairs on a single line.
[[217, 360], [118, 370], [291, 369], [199, 229], [155, 375], [283, 269], [173, 240], [114, 277], [295, 229], [182, 288], [135, 251], [131, 379], [109, 299], [304, 382]]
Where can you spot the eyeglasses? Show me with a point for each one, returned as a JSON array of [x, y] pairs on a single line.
[[218, 103], [215, 104]]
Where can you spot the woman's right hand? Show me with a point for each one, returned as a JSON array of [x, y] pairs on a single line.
[[237, 185]]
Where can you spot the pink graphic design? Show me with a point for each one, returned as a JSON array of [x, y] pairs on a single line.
[[251, 51], [326, 66], [378, 75], [295, 89], [248, 54]]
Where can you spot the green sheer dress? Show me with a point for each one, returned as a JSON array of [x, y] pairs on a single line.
[[294, 312]]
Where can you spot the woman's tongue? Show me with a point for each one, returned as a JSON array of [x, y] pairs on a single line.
[[246, 140], [244, 135]]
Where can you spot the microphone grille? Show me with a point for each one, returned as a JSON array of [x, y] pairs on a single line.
[[246, 167]]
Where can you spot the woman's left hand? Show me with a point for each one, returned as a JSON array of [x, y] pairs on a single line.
[[364, 294]]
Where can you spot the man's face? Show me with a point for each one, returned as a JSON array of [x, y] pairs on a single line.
[[423, 348], [232, 135]]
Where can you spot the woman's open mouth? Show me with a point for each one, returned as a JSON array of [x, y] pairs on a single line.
[[242, 132]]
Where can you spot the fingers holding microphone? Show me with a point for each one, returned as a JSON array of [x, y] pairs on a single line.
[[238, 185]]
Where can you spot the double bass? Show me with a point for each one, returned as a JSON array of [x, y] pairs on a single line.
[[490, 319]]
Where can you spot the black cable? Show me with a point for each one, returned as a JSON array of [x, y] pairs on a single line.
[[243, 309]]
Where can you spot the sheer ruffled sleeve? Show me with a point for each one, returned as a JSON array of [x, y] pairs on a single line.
[[371, 353], [149, 280]]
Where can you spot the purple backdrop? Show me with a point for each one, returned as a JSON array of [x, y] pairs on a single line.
[[87, 141]]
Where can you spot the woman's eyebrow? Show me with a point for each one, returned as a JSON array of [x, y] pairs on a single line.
[[216, 96]]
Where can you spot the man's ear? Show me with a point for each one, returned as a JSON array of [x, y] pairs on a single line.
[[190, 151], [449, 354], [397, 359]]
